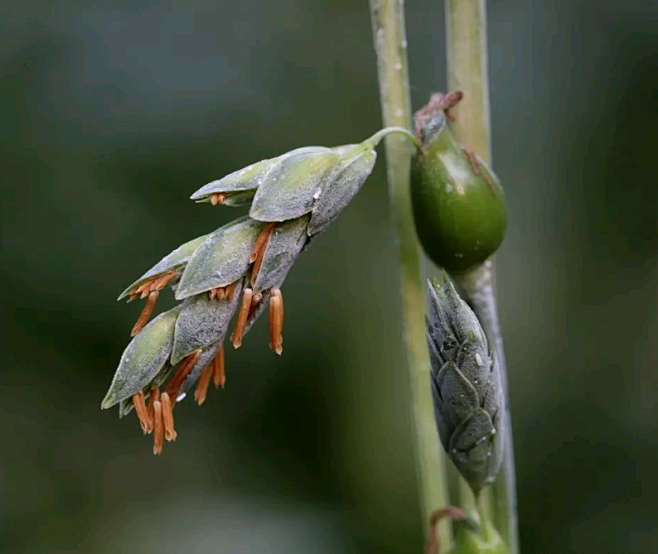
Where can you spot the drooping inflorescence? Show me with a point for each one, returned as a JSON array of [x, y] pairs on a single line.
[[237, 269]]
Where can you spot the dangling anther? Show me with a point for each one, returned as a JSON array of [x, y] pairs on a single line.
[[212, 293], [219, 374], [276, 321], [146, 313], [258, 251], [168, 418], [202, 385], [155, 395], [158, 434], [218, 198], [433, 544], [221, 293], [243, 314], [181, 373], [141, 411], [230, 290]]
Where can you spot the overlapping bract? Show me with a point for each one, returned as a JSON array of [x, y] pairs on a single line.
[[466, 387], [294, 197]]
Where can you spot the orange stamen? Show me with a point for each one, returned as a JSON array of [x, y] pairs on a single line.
[[181, 373], [168, 418], [260, 241], [258, 251], [146, 286], [218, 198], [218, 365], [133, 296], [155, 395], [202, 386], [241, 323], [276, 321], [141, 411], [158, 435], [230, 290], [163, 281], [146, 313], [221, 293]]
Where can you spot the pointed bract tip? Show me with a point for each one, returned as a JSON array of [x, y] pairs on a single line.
[[109, 400]]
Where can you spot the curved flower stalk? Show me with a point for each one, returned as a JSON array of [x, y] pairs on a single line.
[[237, 269]]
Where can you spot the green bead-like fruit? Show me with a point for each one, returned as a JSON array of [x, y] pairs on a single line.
[[458, 202]]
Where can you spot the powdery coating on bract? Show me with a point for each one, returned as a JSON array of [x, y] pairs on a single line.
[[221, 260], [245, 181], [202, 322], [207, 354], [174, 260], [143, 358], [342, 187], [466, 387], [290, 189], [283, 246]]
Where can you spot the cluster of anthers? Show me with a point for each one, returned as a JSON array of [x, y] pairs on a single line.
[[157, 417], [239, 268]]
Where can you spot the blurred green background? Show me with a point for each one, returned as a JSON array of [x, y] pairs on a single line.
[[113, 113]]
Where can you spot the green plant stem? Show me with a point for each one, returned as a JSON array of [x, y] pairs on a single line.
[[468, 71], [390, 46], [500, 507]]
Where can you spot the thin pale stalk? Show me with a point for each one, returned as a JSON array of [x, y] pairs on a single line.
[[390, 46], [466, 23]]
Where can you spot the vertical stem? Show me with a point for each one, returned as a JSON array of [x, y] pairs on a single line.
[[390, 46], [478, 285], [466, 22]]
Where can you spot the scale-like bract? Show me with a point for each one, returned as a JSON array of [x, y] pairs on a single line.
[[466, 387]]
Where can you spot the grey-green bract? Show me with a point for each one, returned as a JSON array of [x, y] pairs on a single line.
[[466, 386]]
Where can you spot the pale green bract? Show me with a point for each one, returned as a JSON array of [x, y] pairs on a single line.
[[176, 260], [146, 355], [222, 259]]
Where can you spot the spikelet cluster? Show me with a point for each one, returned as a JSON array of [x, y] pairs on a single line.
[[233, 273]]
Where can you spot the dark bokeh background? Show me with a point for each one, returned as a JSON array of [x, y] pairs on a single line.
[[112, 113]]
